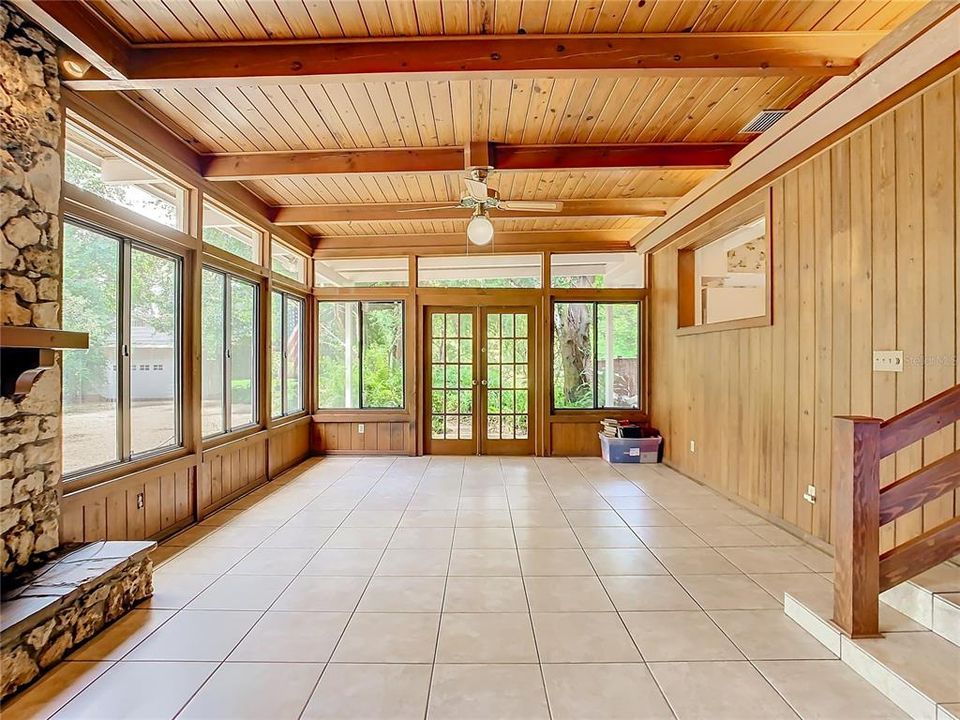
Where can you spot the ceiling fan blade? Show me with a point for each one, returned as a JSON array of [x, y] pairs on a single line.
[[476, 189], [530, 205], [429, 209]]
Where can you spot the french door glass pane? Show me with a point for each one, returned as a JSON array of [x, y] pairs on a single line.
[[243, 353], [91, 304], [154, 365], [293, 341], [338, 354], [382, 355], [618, 355], [212, 351], [507, 390], [573, 361], [276, 354], [451, 389]]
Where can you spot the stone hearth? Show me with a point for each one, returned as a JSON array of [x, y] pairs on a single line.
[[67, 601]]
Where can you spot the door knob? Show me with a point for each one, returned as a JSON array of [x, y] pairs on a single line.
[[483, 382]]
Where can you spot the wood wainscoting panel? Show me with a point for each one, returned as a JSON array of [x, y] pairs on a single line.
[[575, 439], [377, 438], [865, 257], [149, 504], [231, 470], [289, 444]]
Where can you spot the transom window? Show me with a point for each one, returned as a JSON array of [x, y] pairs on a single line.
[[287, 262], [360, 354], [596, 355], [596, 270], [226, 231], [481, 271], [100, 167], [286, 358], [229, 349], [121, 396]]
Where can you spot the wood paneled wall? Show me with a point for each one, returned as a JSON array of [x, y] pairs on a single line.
[[377, 438], [289, 444], [147, 504], [865, 257], [155, 503], [231, 470]]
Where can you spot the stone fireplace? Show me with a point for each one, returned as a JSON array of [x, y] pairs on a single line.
[[53, 597], [30, 256]]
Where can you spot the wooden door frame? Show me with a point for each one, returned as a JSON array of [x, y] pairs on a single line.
[[479, 301], [509, 447], [450, 447]]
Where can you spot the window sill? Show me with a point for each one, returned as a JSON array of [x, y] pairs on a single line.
[[362, 416], [131, 467], [743, 324], [581, 416]]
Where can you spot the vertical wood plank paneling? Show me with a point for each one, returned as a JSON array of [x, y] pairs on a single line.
[[910, 294], [865, 258], [939, 274]]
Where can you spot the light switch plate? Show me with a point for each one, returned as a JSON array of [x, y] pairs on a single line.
[[888, 360], [811, 494], [360, 428]]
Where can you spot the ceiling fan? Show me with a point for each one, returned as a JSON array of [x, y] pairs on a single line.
[[480, 198]]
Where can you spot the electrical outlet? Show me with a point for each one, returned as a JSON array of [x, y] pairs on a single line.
[[139, 501], [693, 446], [811, 494], [888, 360], [360, 428]]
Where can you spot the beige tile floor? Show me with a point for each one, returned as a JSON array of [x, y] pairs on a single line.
[[461, 588]]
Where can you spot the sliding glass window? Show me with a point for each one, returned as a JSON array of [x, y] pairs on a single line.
[[596, 355], [121, 396], [229, 350], [286, 354], [360, 354]]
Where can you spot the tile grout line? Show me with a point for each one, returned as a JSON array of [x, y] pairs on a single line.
[[443, 598], [294, 577]]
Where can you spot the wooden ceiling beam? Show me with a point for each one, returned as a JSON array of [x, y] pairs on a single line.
[[736, 54], [252, 166], [444, 243], [379, 212], [100, 49], [689, 156], [258, 165]]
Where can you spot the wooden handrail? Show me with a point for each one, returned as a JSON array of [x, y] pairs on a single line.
[[919, 421], [861, 507]]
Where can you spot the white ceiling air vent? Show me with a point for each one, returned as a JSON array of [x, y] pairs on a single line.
[[763, 121]]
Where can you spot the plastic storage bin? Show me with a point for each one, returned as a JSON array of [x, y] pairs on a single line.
[[630, 450]]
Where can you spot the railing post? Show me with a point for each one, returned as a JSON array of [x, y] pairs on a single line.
[[856, 525]]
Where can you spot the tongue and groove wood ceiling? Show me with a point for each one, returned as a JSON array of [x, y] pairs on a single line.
[[249, 106]]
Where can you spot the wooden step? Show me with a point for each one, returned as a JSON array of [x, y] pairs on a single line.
[[931, 599], [914, 667]]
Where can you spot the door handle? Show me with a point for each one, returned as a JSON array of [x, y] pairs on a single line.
[[483, 382]]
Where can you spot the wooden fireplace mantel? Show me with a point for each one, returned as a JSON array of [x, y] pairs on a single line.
[[29, 351]]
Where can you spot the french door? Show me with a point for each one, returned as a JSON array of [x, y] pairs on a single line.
[[479, 369]]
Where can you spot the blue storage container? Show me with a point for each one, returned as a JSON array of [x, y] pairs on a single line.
[[630, 450]]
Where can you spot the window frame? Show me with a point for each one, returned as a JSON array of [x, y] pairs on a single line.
[[121, 364], [185, 193], [596, 407], [260, 242], [286, 297], [687, 296], [279, 276], [226, 366], [361, 407]]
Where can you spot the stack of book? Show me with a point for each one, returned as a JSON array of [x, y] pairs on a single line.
[[619, 428]]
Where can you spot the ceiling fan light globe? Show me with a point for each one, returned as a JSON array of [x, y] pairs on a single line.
[[480, 230]]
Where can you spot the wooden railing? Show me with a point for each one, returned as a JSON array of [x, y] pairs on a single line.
[[861, 507]]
